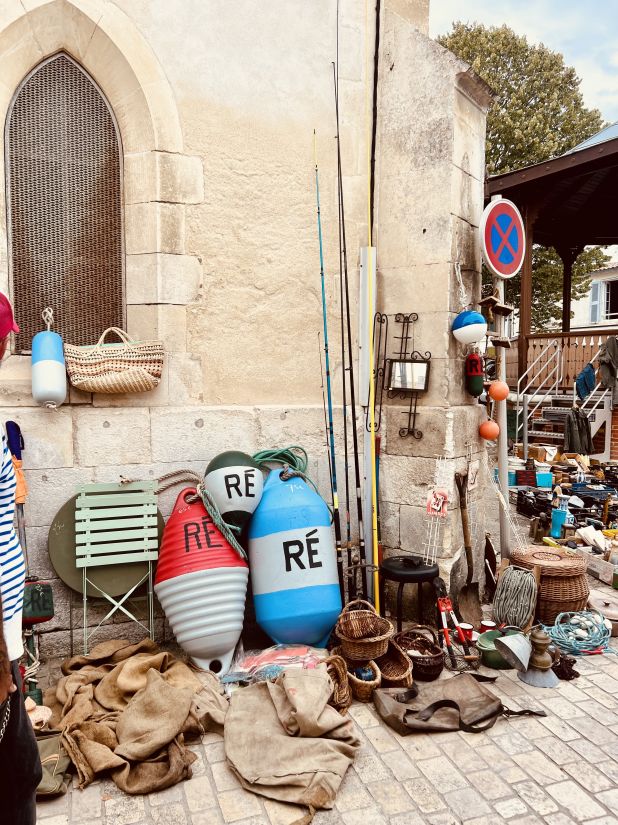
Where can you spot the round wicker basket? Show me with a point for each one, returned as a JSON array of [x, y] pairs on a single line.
[[564, 584], [337, 668], [361, 690], [395, 667], [553, 561], [363, 634], [429, 664]]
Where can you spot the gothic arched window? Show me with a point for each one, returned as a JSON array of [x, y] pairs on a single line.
[[64, 205]]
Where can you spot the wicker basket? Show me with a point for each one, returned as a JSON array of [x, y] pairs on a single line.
[[131, 366], [429, 665], [553, 561], [564, 584], [337, 668], [395, 667], [363, 634], [361, 690]]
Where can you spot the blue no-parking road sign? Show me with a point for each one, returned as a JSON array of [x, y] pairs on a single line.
[[503, 240]]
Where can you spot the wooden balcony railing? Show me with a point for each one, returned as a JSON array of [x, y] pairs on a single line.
[[578, 349]]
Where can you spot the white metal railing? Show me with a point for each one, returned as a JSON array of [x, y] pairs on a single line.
[[552, 367]]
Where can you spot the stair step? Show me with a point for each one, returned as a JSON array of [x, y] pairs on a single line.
[[557, 422], [545, 434]]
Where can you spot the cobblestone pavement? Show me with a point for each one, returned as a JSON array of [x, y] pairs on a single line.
[[559, 770]]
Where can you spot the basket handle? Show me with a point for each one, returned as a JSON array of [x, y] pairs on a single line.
[[358, 601], [119, 332], [418, 628]]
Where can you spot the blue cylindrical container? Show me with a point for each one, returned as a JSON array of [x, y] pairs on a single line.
[[293, 563], [559, 516], [49, 380]]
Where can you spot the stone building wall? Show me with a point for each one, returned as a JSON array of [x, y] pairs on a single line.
[[429, 204], [216, 105]]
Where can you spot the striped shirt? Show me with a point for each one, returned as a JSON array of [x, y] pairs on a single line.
[[12, 567]]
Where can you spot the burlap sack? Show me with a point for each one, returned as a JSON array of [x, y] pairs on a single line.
[[284, 741]]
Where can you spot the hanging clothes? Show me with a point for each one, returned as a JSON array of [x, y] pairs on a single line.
[[577, 433], [608, 365], [585, 382]]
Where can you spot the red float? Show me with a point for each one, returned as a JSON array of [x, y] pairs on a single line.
[[201, 583], [192, 542]]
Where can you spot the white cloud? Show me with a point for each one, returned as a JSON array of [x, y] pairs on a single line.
[[583, 32]]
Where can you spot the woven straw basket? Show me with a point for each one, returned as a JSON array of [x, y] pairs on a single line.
[[130, 366], [362, 691], [564, 584], [363, 634], [395, 667], [429, 664]]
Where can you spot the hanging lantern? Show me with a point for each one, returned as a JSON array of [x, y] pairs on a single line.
[[235, 482], [475, 374], [489, 430], [498, 390], [469, 327]]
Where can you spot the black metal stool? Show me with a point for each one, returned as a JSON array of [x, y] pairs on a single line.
[[406, 570]]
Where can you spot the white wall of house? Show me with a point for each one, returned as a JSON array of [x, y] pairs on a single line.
[[599, 308]]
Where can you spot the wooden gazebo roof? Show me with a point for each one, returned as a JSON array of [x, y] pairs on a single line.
[[568, 202]]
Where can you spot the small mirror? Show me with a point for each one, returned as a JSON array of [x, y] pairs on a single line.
[[408, 376]]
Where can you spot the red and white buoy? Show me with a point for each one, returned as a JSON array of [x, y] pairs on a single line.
[[201, 582]]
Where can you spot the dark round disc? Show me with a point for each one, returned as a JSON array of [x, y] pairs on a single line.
[[114, 579]]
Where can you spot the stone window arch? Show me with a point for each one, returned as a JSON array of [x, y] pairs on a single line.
[[64, 203]]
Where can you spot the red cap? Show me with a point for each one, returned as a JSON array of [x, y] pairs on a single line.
[[7, 322]]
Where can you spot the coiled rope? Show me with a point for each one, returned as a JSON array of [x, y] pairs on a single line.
[[598, 635], [217, 518], [293, 459], [170, 480], [515, 598], [293, 456]]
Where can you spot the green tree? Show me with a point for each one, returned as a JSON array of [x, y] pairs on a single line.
[[538, 113]]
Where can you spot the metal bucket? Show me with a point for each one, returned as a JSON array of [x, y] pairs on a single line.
[[516, 649]]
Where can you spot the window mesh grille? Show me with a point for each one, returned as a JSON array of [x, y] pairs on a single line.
[[64, 199]]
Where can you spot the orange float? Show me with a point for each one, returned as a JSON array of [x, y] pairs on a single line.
[[489, 430], [498, 390]]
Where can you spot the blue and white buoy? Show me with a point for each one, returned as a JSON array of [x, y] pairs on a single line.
[[293, 563], [469, 327], [49, 377]]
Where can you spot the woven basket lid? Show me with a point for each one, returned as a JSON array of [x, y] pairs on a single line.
[[553, 561]]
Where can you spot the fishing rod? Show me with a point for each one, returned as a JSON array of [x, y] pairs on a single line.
[[351, 568], [329, 395], [357, 475], [330, 466], [370, 314]]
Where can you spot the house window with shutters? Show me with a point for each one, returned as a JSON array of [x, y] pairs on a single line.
[[64, 204], [595, 302]]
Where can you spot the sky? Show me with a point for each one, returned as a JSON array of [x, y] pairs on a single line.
[[585, 31]]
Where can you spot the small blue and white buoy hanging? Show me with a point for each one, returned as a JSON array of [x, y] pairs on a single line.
[[49, 378], [469, 327]]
